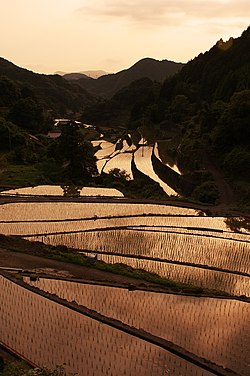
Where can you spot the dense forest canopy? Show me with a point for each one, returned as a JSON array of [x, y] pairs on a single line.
[[52, 91]]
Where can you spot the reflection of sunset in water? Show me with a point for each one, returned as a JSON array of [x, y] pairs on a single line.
[[215, 329], [48, 334]]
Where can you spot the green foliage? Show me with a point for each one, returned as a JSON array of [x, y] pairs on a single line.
[[21, 175], [125, 107], [237, 162], [238, 223], [29, 115], [119, 174], [207, 192], [74, 154], [10, 135], [19, 368], [52, 92], [9, 92]]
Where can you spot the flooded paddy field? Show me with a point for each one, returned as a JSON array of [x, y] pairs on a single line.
[[173, 242], [66, 190], [225, 254], [48, 334], [217, 329], [202, 277], [64, 210], [176, 243]]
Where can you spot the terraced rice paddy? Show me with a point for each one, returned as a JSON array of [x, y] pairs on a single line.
[[48, 334], [144, 164], [56, 190], [173, 166], [123, 160], [173, 242], [216, 329], [62, 210], [195, 275], [111, 156]]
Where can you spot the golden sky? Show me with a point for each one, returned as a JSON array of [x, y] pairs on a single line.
[[74, 35]]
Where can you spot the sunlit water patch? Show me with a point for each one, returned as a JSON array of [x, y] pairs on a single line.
[[144, 164], [56, 190], [121, 161], [49, 334], [105, 152], [100, 164], [173, 166], [215, 329], [215, 252], [67, 210]]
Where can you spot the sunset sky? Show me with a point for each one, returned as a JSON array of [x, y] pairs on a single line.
[[73, 35]]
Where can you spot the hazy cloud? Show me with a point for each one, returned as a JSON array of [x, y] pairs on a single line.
[[166, 12]]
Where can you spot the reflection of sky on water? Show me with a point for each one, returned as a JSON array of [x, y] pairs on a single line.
[[204, 326], [65, 210], [49, 334], [105, 152], [144, 164], [215, 252], [173, 166], [56, 190], [121, 161], [230, 283]]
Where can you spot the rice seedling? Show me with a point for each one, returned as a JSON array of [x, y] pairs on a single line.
[[84, 345], [213, 328]]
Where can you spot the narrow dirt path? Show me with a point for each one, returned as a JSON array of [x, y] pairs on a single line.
[[62, 269]]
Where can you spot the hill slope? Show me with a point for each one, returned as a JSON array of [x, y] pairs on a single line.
[[52, 91], [216, 74], [200, 116], [108, 85]]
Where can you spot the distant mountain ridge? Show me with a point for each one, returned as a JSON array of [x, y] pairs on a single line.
[[110, 84], [87, 73], [53, 91]]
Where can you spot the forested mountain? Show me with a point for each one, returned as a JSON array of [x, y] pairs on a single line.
[[200, 116], [216, 74], [51, 91], [108, 85], [125, 107], [210, 97], [28, 104]]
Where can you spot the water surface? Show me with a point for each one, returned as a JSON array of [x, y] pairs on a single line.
[[49, 334], [215, 329]]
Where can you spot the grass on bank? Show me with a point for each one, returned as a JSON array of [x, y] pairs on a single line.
[[20, 368], [65, 254], [21, 175]]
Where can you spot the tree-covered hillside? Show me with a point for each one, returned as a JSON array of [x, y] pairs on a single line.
[[108, 85], [52, 91], [209, 102], [200, 117], [126, 107], [29, 103]]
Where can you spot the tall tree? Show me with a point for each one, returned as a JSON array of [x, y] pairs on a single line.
[[75, 154]]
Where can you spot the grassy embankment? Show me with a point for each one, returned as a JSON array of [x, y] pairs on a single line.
[[65, 254]]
